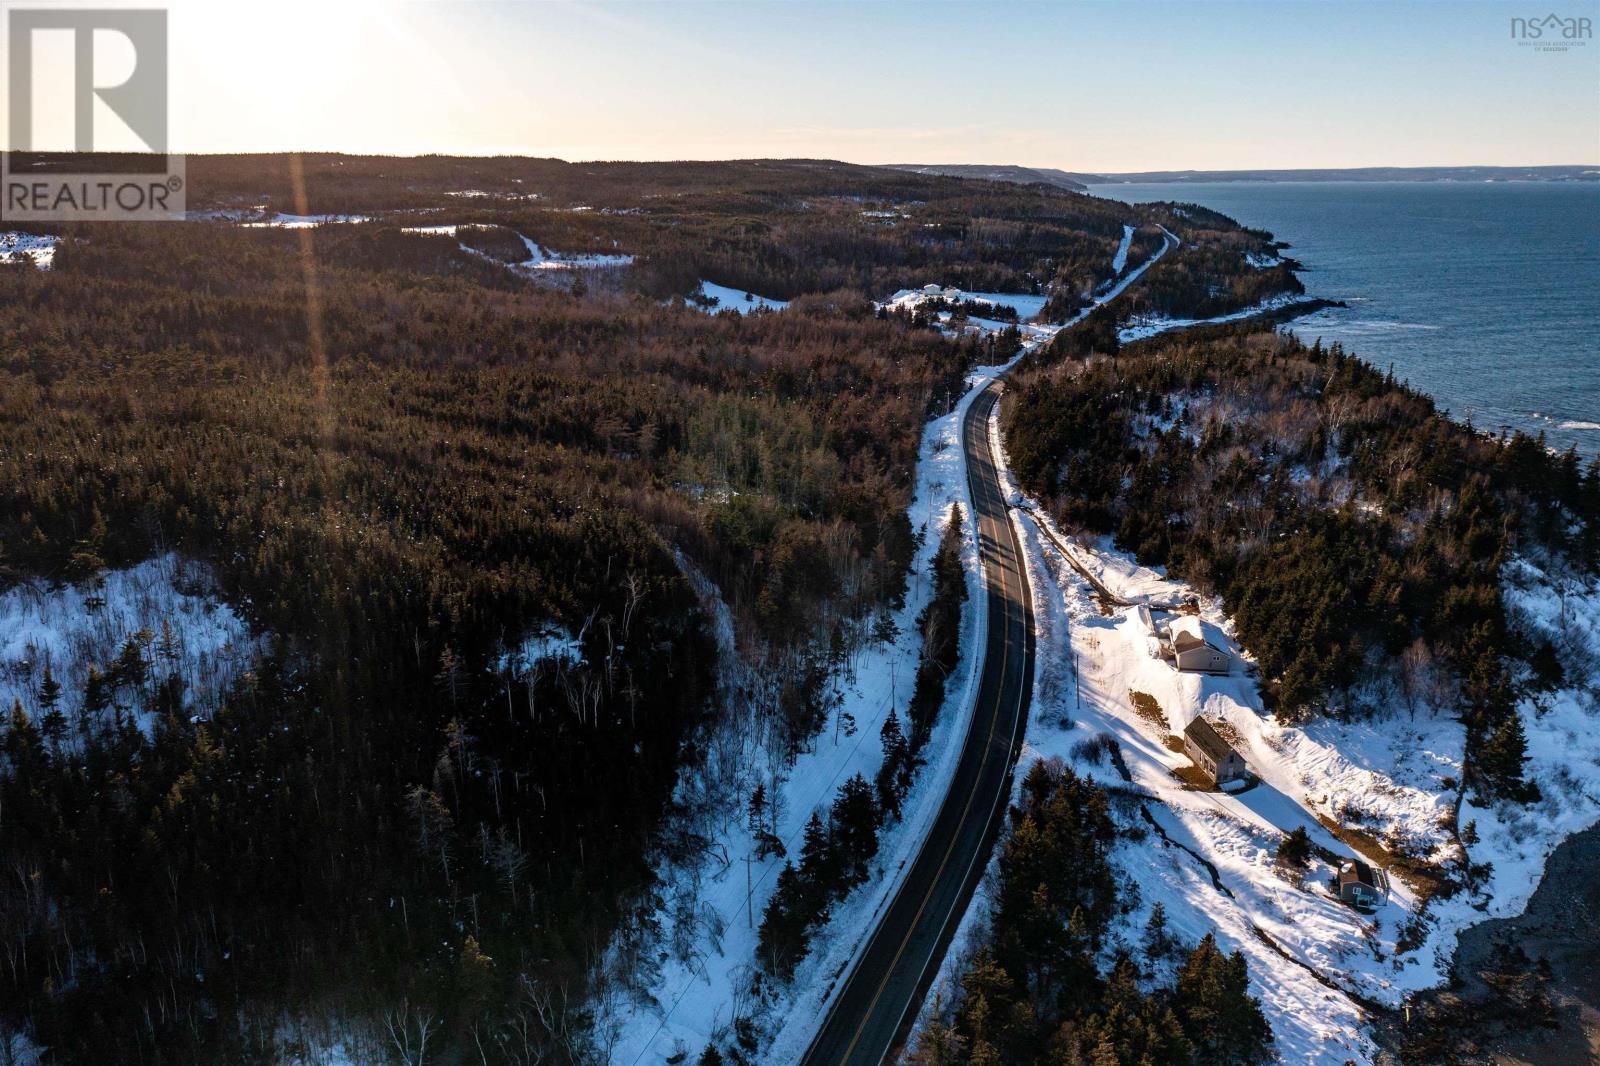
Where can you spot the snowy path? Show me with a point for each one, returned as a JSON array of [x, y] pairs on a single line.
[[1120, 260]]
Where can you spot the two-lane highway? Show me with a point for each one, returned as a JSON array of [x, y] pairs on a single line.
[[881, 994]]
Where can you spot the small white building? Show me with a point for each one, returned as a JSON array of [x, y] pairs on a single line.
[[1192, 650]]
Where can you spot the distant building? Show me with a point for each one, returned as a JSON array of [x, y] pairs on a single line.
[[1359, 884], [1212, 754], [1191, 650]]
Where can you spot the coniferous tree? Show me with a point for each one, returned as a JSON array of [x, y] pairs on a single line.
[[52, 722], [894, 773], [855, 819], [1220, 1017], [1502, 757]]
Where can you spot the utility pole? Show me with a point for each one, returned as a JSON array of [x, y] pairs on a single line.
[[1077, 687], [749, 906]]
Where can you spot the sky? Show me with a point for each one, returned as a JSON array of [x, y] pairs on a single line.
[[1090, 86]]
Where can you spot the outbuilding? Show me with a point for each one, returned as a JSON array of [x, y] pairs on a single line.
[[1359, 884], [1213, 755], [1191, 650]]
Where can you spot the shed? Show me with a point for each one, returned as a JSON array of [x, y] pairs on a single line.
[[1212, 754], [1359, 884], [1192, 650]]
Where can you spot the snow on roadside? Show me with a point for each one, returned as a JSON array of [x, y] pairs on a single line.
[[700, 989], [167, 604], [28, 248], [1120, 260]]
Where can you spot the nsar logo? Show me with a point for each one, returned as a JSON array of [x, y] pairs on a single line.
[[1552, 33]]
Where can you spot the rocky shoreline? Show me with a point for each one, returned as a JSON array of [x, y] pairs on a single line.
[[1524, 991]]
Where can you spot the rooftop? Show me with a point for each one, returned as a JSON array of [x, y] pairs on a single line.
[[1207, 739], [1356, 871], [1186, 631]]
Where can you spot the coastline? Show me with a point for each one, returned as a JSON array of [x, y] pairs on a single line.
[[1523, 989]]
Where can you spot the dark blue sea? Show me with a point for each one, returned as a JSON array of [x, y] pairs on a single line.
[[1486, 296]]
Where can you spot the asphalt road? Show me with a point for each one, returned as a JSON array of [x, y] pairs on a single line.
[[881, 995]]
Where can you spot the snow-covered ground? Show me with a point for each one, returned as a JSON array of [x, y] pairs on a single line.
[[736, 300], [167, 605], [283, 221], [539, 257], [1149, 325], [1393, 777], [550, 643], [1120, 260], [542, 258], [1026, 305], [28, 248]]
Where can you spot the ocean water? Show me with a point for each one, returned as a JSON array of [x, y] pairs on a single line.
[[1485, 296]]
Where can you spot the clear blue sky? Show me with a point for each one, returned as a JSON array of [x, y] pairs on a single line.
[[1083, 86]]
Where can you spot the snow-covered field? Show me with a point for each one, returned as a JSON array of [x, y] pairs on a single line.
[[284, 221], [1120, 260], [167, 605], [736, 300], [28, 248], [1393, 777], [539, 257], [1025, 304]]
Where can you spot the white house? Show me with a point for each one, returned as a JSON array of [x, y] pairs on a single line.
[[1192, 650]]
